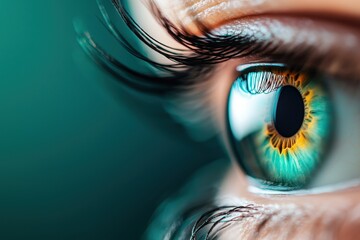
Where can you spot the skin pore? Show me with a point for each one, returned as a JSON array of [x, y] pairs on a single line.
[[307, 215]]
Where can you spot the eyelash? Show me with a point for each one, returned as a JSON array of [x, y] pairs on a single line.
[[202, 54]]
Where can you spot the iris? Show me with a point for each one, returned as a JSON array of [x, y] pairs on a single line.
[[280, 124]]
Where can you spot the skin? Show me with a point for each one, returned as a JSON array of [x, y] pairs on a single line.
[[214, 13], [329, 215]]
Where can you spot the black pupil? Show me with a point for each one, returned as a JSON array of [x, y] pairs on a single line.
[[289, 111]]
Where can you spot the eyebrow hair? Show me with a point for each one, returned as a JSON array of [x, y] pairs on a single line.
[[201, 53]]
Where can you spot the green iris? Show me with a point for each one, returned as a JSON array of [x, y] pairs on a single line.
[[280, 124]]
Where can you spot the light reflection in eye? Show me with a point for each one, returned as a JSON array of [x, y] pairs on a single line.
[[280, 123]]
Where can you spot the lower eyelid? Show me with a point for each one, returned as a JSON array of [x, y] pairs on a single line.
[[237, 185]]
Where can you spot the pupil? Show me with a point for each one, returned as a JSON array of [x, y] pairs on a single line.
[[289, 111]]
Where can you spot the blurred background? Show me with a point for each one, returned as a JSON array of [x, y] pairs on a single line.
[[80, 156]]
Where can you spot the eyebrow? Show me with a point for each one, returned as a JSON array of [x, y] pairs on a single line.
[[203, 52]]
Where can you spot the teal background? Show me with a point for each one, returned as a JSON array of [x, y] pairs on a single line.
[[80, 158]]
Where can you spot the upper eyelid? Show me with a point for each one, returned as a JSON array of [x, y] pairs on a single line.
[[259, 36], [304, 43], [217, 46]]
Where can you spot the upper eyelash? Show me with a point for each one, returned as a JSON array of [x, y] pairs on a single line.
[[201, 53], [195, 63]]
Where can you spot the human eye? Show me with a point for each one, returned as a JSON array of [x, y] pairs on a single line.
[[290, 123], [292, 91], [280, 90], [287, 129]]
